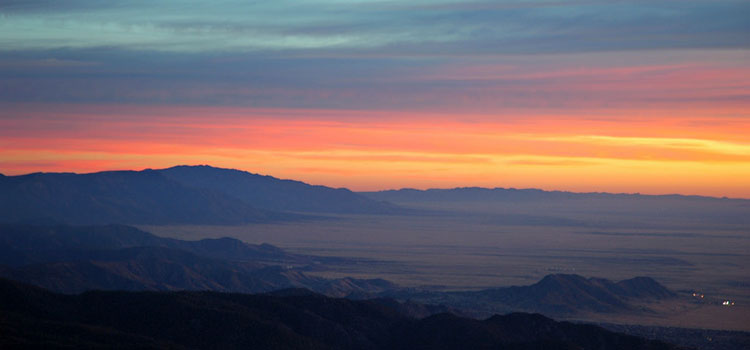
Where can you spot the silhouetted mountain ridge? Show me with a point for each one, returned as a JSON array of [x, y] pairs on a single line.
[[178, 195], [130, 197], [268, 192]]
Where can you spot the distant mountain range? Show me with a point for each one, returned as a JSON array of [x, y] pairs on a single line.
[[216, 196], [512, 194], [179, 195], [556, 208], [31, 317]]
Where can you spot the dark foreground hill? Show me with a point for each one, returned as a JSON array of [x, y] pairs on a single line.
[[179, 195], [35, 318]]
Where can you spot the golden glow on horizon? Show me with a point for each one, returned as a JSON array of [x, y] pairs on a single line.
[[695, 153]]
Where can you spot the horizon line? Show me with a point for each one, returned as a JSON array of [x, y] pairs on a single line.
[[391, 189]]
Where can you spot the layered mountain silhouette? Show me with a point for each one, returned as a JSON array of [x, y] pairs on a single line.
[[179, 195], [31, 317], [73, 259], [209, 195]]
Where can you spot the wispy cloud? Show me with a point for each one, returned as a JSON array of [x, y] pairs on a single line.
[[436, 27]]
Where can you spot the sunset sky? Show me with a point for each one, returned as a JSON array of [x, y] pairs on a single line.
[[616, 96]]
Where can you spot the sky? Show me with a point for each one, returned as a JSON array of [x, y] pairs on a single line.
[[589, 96]]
